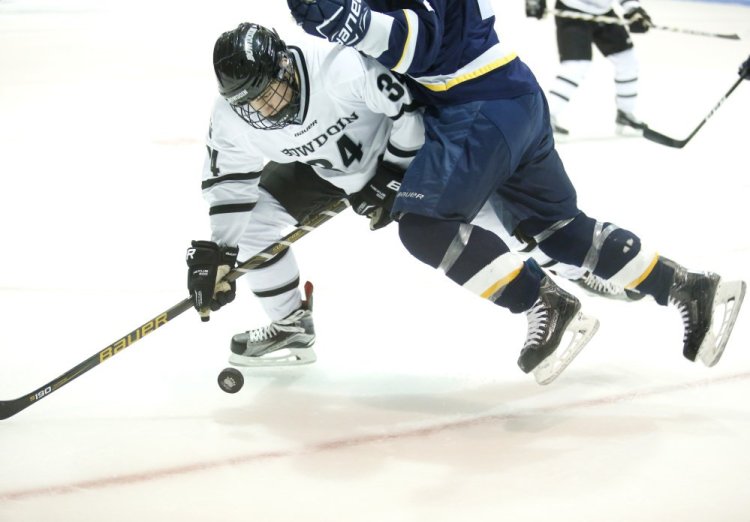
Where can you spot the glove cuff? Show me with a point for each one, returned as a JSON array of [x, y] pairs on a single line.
[[229, 256]]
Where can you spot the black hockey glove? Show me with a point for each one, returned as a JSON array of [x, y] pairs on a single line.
[[536, 8], [375, 200], [208, 263], [744, 71], [339, 21], [638, 20]]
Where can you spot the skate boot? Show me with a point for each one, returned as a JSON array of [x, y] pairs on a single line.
[[288, 341], [594, 284], [709, 308], [557, 128], [556, 312], [626, 123]]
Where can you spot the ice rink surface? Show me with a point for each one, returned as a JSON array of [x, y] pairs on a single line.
[[415, 410]]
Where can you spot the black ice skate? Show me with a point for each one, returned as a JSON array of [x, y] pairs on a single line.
[[595, 285], [554, 314], [288, 341], [709, 308], [626, 123]]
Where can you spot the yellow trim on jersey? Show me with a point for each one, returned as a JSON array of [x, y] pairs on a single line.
[[501, 283], [406, 42], [445, 85], [644, 275]]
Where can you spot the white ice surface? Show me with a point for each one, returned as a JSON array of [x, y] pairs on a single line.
[[415, 410]]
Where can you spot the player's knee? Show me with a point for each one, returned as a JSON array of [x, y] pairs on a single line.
[[625, 64], [574, 70], [568, 242], [426, 238], [603, 248]]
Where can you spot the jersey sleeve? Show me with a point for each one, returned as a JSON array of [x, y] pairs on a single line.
[[386, 94], [370, 84], [629, 5], [406, 41], [231, 173]]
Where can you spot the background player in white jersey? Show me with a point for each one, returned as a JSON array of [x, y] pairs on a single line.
[[575, 39], [293, 129]]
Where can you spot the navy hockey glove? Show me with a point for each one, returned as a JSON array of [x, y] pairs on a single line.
[[375, 200], [535, 8], [638, 20], [208, 263], [744, 71], [339, 21]]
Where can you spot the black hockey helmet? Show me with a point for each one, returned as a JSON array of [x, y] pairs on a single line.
[[250, 60]]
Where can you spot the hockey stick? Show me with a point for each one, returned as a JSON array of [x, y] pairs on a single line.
[[619, 21], [10, 408], [662, 139]]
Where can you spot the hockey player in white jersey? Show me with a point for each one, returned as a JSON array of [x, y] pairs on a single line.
[[292, 130], [577, 32]]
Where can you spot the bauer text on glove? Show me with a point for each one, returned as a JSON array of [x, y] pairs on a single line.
[[376, 199]]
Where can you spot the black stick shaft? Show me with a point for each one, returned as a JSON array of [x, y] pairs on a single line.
[[663, 139], [11, 407], [619, 21]]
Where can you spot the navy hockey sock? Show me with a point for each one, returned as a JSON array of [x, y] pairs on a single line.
[[458, 249], [658, 282], [464, 252], [522, 292]]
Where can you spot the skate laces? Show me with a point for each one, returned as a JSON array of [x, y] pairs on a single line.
[[538, 318], [602, 286], [265, 333], [682, 307]]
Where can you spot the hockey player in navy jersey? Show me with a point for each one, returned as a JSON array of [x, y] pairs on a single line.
[[489, 139]]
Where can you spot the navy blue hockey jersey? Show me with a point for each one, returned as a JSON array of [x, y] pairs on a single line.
[[448, 49]]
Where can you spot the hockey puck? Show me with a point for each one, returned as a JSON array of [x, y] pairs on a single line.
[[231, 380]]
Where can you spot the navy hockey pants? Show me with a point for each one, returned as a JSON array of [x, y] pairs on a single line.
[[496, 150]]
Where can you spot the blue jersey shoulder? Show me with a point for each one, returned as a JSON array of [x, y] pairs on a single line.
[[450, 51]]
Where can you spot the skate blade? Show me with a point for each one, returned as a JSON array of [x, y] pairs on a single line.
[[580, 331], [729, 297], [284, 357]]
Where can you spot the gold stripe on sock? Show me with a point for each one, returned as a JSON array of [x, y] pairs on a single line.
[[644, 275], [501, 283]]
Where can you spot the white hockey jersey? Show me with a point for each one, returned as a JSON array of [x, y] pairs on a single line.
[[353, 111], [599, 7]]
